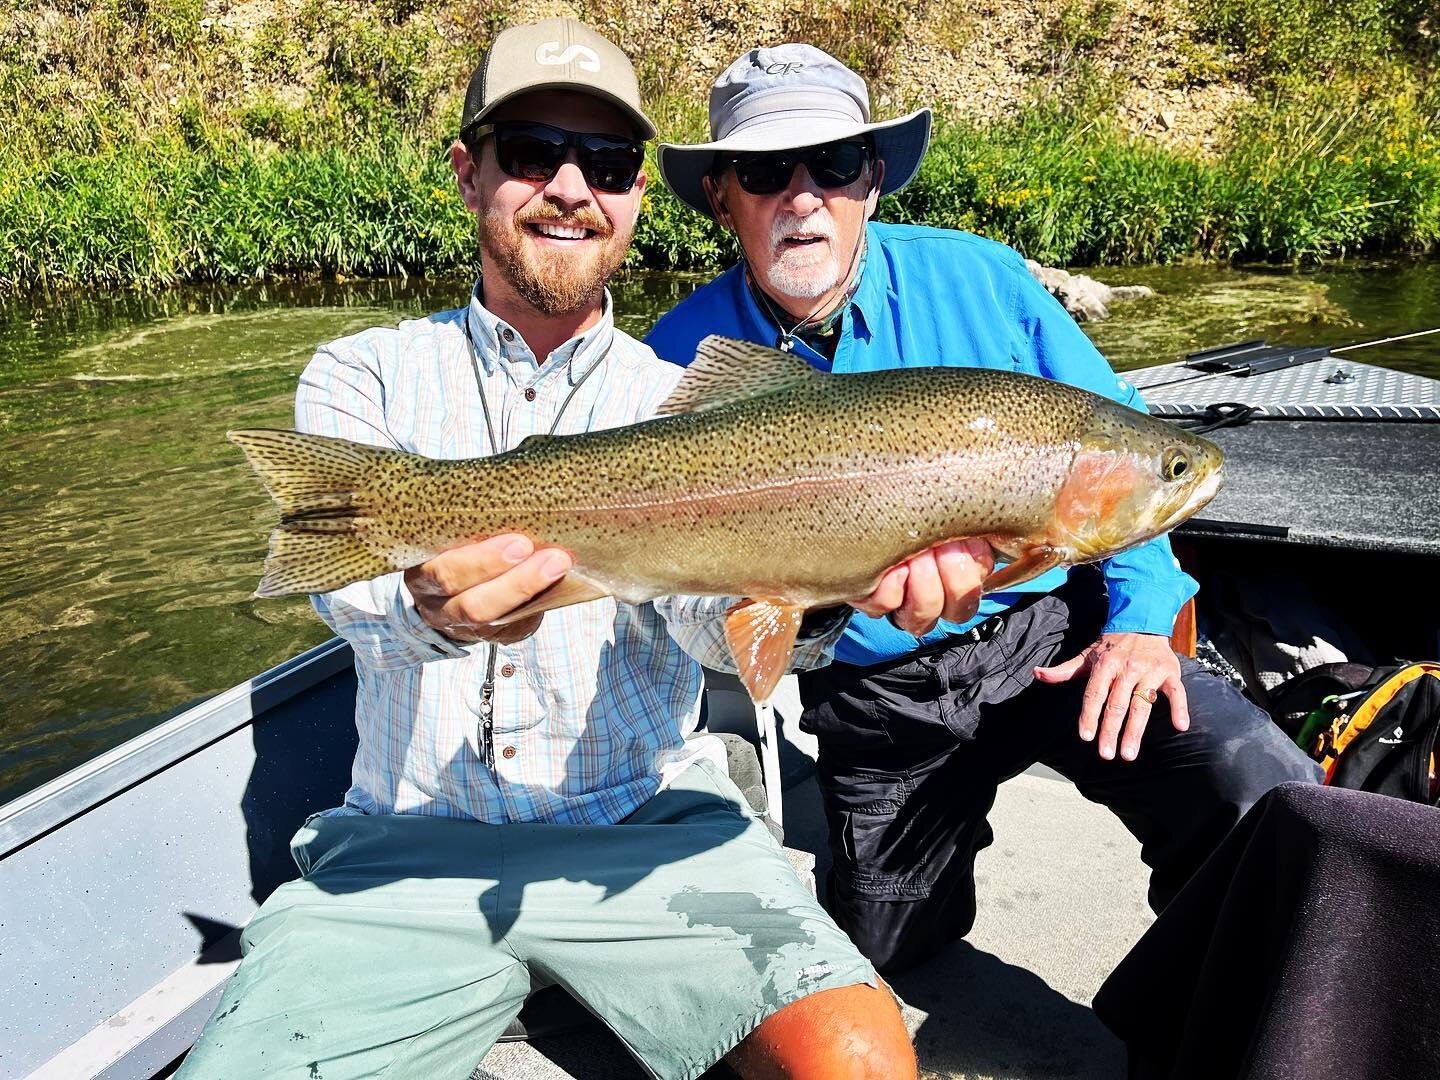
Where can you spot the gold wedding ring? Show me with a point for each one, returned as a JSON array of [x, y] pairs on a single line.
[[1147, 695]]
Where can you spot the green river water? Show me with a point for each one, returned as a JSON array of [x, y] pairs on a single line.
[[131, 532]]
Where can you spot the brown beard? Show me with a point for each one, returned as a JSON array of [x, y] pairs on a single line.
[[554, 282]]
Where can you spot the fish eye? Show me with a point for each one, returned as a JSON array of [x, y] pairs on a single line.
[[1177, 464]]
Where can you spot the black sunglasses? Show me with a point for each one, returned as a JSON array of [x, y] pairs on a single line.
[[831, 165], [535, 152]]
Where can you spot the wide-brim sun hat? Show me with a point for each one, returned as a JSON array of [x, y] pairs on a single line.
[[786, 98]]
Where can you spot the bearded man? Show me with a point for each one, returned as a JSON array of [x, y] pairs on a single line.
[[526, 809]]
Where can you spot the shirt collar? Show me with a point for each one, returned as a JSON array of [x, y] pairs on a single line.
[[499, 345]]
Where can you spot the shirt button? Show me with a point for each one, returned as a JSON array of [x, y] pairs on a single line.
[[508, 752], [508, 334], [529, 393], [508, 670]]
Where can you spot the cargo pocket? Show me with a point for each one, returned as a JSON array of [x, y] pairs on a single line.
[[870, 842]]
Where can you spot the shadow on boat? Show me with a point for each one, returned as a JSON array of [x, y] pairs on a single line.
[[992, 1018]]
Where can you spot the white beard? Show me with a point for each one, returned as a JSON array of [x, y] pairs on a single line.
[[809, 272]]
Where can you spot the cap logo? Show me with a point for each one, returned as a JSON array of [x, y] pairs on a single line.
[[549, 53], [784, 69]]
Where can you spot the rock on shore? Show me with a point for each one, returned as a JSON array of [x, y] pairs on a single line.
[[1086, 299]]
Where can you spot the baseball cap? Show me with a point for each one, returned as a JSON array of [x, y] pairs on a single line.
[[554, 54]]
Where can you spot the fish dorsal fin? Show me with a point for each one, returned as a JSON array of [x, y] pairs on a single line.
[[725, 371]]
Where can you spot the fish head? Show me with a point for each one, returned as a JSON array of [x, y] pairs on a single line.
[[1132, 478]]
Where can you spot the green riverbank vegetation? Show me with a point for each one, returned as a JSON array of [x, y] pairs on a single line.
[[150, 142]]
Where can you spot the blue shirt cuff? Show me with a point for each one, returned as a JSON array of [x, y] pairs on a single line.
[[1147, 606]]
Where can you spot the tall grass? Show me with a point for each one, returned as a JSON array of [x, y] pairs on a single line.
[[159, 213], [1292, 188], [162, 211]]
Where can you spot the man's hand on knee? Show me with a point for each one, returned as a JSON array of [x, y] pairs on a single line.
[[1128, 673]]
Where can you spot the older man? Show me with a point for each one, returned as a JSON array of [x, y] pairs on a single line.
[[924, 713], [526, 809]]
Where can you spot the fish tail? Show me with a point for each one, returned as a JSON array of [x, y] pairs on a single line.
[[319, 484]]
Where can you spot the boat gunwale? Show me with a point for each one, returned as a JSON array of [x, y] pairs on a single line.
[[73, 794]]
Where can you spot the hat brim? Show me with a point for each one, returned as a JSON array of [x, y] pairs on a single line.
[[900, 143], [643, 127]]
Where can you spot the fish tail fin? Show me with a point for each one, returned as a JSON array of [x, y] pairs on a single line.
[[319, 484]]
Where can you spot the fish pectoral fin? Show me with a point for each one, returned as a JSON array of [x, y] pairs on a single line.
[[725, 371], [761, 635], [571, 589], [1034, 562]]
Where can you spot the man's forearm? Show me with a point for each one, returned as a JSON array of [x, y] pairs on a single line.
[[1147, 589], [379, 620]]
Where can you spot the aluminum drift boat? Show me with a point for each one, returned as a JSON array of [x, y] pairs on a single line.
[[123, 884]]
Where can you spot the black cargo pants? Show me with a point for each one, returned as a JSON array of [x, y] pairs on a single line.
[[911, 754]]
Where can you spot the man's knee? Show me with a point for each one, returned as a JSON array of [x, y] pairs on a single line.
[[898, 934], [848, 1033], [1251, 754]]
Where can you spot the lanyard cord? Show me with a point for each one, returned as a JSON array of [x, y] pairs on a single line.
[[487, 691], [485, 404]]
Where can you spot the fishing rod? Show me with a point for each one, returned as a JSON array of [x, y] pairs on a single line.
[[1386, 341], [1190, 380]]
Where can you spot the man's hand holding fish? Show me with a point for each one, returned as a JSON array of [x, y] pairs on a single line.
[[943, 582], [463, 591]]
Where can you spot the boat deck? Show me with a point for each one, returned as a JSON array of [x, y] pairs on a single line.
[[1061, 900]]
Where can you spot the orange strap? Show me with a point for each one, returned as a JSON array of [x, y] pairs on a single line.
[[1183, 637], [1347, 727]]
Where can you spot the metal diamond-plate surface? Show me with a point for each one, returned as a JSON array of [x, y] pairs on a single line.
[[1331, 388]]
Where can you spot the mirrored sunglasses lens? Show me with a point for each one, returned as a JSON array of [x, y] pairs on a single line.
[[610, 164], [764, 174], [605, 173], [837, 165], [527, 156]]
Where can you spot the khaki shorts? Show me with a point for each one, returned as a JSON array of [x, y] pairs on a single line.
[[410, 942]]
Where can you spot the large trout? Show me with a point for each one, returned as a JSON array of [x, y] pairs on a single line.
[[763, 478]]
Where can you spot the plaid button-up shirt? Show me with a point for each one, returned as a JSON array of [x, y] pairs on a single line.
[[593, 708]]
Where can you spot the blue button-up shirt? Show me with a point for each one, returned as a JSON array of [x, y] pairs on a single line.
[[936, 296]]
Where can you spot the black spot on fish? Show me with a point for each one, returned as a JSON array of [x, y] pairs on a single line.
[[297, 1036], [315, 1071]]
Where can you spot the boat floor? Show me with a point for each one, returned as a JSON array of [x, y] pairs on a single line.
[[1061, 899]]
